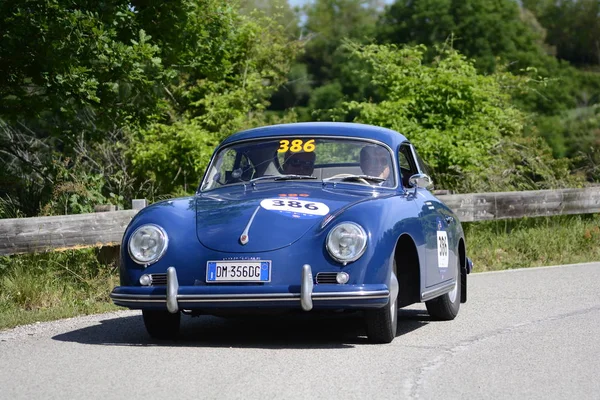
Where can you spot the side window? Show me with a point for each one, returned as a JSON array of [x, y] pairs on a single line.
[[408, 166], [422, 165], [403, 159], [221, 171], [233, 167]]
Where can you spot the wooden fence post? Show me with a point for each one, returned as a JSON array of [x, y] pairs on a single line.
[[138, 204], [108, 255]]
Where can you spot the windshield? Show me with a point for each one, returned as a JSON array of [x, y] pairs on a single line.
[[322, 159]]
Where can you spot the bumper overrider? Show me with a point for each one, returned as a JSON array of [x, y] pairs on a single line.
[[307, 295]]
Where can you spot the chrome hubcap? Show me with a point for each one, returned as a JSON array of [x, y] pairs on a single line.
[[452, 294], [394, 287]]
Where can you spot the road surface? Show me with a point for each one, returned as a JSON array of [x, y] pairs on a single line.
[[531, 333]]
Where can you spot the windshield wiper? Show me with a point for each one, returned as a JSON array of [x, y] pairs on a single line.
[[365, 177], [290, 177], [281, 178]]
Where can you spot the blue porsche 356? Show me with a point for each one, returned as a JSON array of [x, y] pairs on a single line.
[[300, 216]]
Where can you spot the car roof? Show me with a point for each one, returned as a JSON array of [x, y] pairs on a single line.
[[342, 129]]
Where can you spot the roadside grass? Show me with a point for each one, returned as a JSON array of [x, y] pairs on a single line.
[[44, 287], [50, 286], [533, 242]]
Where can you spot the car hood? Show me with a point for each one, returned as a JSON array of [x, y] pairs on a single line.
[[267, 219]]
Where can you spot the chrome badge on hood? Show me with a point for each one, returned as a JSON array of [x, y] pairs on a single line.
[[244, 237]]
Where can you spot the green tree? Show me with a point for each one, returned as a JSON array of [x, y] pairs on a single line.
[[107, 89], [575, 134], [223, 73], [208, 48], [328, 23], [278, 10], [68, 67], [484, 30], [573, 28], [462, 122], [322, 64], [70, 73], [498, 35], [295, 91]]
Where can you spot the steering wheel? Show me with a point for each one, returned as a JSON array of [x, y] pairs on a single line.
[[344, 177]]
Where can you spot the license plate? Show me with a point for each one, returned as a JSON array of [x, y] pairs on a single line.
[[238, 271]]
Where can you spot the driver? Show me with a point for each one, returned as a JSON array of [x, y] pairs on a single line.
[[375, 161], [300, 163]]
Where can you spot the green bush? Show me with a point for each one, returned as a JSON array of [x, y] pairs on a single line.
[[574, 134], [463, 123], [173, 156], [221, 85]]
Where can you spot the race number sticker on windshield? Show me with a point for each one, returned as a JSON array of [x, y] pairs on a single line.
[[296, 146], [442, 249], [295, 208]]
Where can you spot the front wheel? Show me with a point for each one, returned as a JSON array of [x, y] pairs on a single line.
[[382, 323], [445, 307], [161, 324]]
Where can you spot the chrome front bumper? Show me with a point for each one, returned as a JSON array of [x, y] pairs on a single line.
[[185, 297]]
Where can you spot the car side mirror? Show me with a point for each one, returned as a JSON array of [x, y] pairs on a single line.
[[420, 181]]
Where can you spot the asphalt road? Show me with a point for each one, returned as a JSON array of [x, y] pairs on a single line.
[[531, 333]]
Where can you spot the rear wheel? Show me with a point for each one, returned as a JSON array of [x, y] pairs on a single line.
[[161, 324], [445, 307], [382, 323]]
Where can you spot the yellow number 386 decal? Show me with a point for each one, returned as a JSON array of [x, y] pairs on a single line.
[[296, 146]]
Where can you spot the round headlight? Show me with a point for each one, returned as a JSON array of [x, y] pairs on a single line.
[[346, 242], [148, 244]]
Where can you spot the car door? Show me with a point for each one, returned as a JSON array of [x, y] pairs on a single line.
[[435, 222]]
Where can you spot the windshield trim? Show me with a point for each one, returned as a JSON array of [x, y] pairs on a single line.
[[355, 138]]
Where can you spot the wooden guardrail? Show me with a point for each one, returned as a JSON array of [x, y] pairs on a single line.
[[27, 235], [64, 232], [535, 203]]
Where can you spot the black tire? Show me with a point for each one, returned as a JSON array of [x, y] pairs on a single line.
[[161, 324], [382, 323], [445, 307]]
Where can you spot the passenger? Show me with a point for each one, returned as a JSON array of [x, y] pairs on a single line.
[[375, 161], [300, 163]]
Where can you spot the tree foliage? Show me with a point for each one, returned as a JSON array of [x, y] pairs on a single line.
[[67, 68], [498, 35], [221, 83], [279, 11], [127, 71], [69, 72], [328, 23], [573, 28], [484, 30], [462, 122], [575, 134]]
